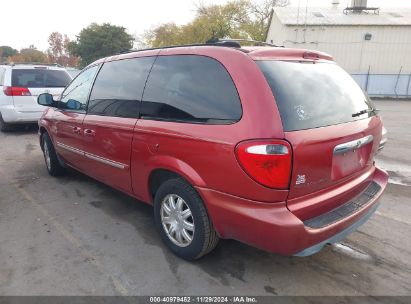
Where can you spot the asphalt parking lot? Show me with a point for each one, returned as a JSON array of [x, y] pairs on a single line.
[[75, 236]]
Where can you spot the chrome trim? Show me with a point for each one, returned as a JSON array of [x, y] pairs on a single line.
[[93, 157], [71, 149], [353, 145], [105, 161]]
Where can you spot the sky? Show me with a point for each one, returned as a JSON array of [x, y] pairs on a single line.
[[31, 22]]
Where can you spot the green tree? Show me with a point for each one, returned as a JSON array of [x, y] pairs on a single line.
[[30, 54], [223, 21], [165, 34], [7, 51], [97, 41], [236, 19], [212, 21]]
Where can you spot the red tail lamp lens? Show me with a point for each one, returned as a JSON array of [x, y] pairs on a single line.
[[16, 91], [267, 162]]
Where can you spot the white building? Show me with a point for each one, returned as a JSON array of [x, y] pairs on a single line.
[[362, 41]]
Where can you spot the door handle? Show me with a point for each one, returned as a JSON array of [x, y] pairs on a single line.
[[77, 130], [89, 132]]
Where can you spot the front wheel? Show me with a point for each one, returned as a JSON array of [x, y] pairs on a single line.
[[182, 220], [50, 156]]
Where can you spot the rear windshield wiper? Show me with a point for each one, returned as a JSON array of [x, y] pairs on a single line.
[[364, 112]]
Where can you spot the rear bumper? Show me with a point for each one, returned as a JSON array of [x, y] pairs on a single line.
[[12, 115], [339, 236], [272, 227]]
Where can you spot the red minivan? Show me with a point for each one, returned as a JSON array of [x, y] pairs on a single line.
[[273, 147]]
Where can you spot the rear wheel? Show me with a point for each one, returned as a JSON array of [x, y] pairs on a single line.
[[4, 127], [50, 156], [182, 220]]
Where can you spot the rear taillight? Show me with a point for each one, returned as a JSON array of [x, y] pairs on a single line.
[[16, 91], [267, 162]]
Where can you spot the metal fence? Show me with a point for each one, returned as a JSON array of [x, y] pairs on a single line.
[[385, 85]]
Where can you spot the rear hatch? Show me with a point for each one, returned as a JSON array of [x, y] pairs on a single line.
[[28, 83], [333, 130]]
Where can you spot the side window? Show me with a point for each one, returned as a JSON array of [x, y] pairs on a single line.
[[76, 94], [2, 71], [190, 88], [119, 87]]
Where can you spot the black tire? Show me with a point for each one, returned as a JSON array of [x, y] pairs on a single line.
[[204, 238], [4, 127], [54, 167]]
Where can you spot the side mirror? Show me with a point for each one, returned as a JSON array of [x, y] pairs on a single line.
[[46, 99]]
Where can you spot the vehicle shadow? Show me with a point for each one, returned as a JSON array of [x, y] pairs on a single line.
[[23, 129], [231, 260]]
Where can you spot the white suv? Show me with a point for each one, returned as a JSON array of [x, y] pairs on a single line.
[[20, 84]]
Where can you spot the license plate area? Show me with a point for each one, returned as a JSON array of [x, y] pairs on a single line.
[[351, 157]]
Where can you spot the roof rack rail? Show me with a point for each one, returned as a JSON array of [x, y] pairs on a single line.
[[156, 48], [236, 42], [223, 42], [32, 63], [233, 43], [169, 47]]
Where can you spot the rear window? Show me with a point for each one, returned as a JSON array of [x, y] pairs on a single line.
[[311, 95], [39, 78]]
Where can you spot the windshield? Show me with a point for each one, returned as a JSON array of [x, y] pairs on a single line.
[[311, 95], [39, 78]]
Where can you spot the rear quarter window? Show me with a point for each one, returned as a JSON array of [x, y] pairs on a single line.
[[39, 78], [312, 95], [190, 88]]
